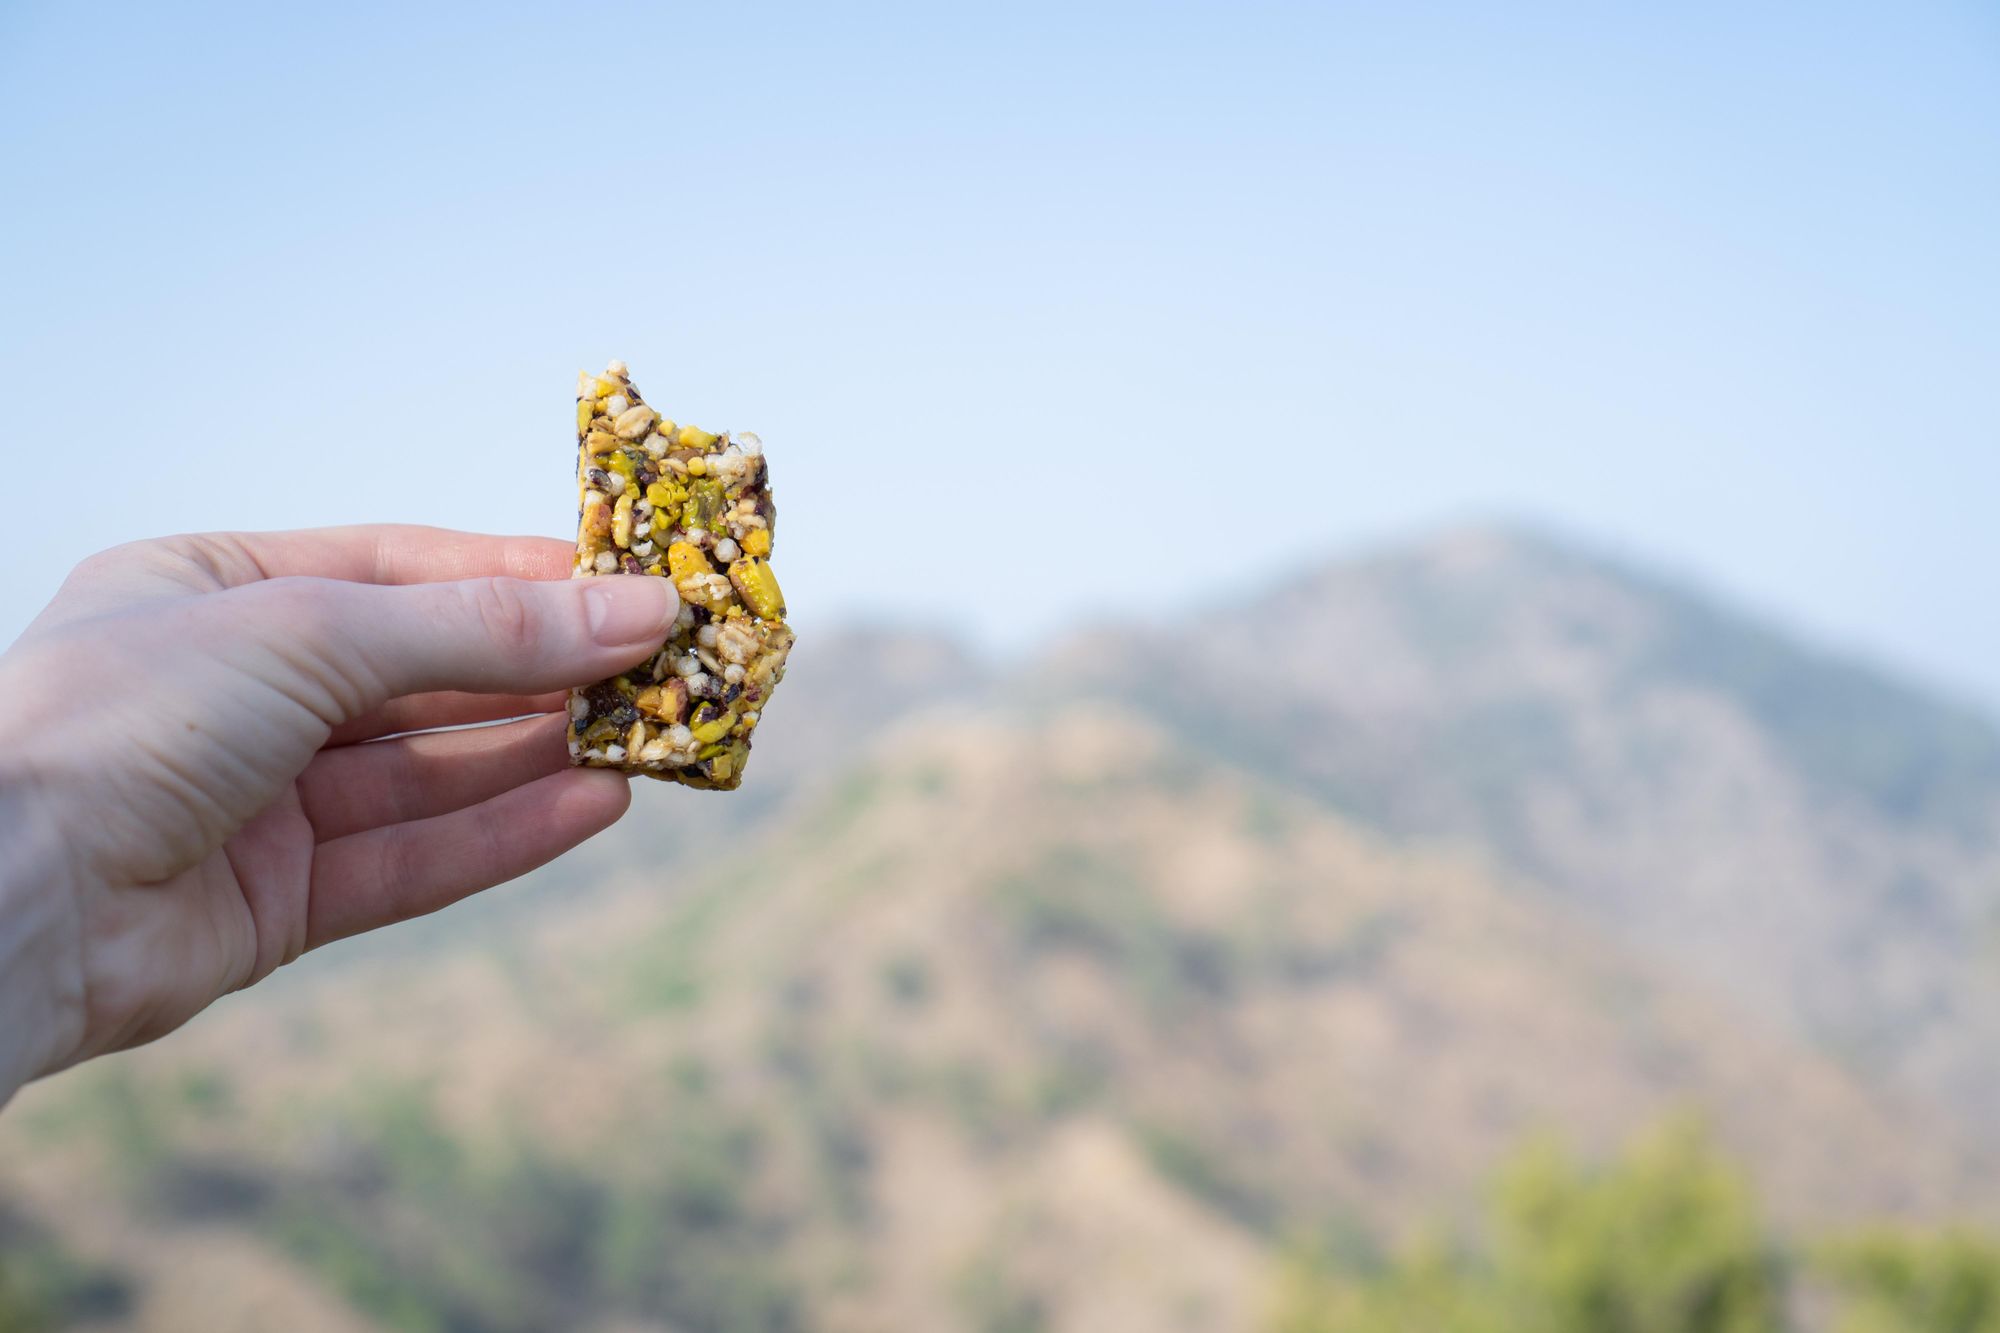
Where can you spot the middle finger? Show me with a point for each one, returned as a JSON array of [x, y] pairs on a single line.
[[443, 708], [358, 787]]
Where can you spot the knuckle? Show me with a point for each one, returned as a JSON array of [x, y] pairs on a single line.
[[301, 603], [504, 614], [100, 564], [197, 561], [222, 557], [119, 562]]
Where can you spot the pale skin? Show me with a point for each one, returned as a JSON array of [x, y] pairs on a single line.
[[220, 752]]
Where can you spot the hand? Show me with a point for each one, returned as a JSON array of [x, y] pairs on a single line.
[[208, 766]]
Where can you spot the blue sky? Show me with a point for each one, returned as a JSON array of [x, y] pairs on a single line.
[[1041, 310]]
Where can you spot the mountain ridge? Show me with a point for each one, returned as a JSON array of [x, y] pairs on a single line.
[[1718, 792]]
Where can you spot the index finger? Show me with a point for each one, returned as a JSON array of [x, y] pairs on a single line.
[[385, 553]]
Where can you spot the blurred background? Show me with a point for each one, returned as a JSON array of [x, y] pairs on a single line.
[[1394, 722]]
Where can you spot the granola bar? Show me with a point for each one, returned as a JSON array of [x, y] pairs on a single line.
[[677, 502]]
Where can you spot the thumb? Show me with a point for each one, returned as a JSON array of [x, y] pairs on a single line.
[[488, 635]]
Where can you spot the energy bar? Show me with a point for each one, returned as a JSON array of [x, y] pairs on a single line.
[[681, 503]]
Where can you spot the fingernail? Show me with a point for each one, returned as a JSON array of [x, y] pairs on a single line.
[[625, 610]]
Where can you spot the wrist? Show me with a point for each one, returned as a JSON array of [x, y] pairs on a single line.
[[41, 1007]]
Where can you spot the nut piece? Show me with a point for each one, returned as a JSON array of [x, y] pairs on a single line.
[[758, 587], [634, 422], [686, 560], [708, 733], [666, 703], [696, 578], [734, 642]]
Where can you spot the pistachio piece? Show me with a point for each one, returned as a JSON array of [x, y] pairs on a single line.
[[758, 586]]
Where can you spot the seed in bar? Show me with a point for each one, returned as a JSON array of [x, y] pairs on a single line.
[[677, 502]]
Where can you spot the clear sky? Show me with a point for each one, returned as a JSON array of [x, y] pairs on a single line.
[[1041, 309]]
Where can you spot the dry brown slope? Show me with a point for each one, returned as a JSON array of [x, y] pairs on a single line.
[[1086, 901]]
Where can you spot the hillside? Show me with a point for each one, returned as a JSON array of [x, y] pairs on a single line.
[[1092, 1045], [1804, 834], [1069, 998]]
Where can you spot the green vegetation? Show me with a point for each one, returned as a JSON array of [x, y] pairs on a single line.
[[1947, 1281], [427, 1230], [1078, 899], [1356, 954], [971, 1093], [362, 1271], [933, 779], [842, 807], [1665, 1240], [1081, 900], [43, 1287], [664, 972], [1077, 1074], [1267, 820], [995, 1302], [906, 978], [1425, 1291], [824, 1104], [685, 1241], [1183, 1160], [1668, 1238], [136, 1121], [1847, 728]]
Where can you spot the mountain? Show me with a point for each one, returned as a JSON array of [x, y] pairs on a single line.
[[1807, 835], [1068, 997]]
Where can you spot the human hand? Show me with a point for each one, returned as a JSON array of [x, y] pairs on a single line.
[[206, 765]]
